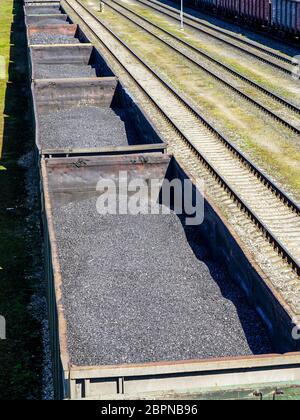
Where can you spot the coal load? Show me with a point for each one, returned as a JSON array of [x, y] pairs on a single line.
[[85, 127], [137, 289], [40, 10], [52, 21], [42, 38], [48, 71]]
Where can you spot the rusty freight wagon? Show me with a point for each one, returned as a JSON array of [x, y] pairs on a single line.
[[136, 307], [79, 105], [256, 11], [140, 304], [286, 15], [283, 15]]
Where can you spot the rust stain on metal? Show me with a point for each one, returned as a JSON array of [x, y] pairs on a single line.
[[66, 29]]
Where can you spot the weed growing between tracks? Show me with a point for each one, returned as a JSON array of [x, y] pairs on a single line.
[[272, 146], [21, 352], [250, 67]]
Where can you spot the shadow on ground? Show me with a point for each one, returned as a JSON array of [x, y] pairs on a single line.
[[21, 352]]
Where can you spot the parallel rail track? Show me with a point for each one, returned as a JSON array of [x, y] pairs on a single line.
[[228, 33], [270, 208], [274, 59], [262, 30], [210, 72]]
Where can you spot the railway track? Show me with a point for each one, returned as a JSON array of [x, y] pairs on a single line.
[[203, 13], [183, 50], [273, 211], [278, 61], [248, 42]]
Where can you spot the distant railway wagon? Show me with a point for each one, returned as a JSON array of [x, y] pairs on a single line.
[[231, 6], [258, 10], [286, 15], [283, 15]]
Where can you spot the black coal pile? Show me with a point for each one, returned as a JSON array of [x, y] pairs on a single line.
[[84, 127], [50, 38], [136, 289], [48, 71]]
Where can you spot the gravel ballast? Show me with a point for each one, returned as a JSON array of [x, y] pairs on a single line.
[[48, 71], [48, 38], [136, 289], [84, 127]]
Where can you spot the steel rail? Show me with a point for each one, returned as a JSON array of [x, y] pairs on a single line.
[[230, 69], [202, 67], [194, 24], [225, 32], [277, 244]]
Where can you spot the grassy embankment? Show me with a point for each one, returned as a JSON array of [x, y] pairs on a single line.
[[6, 17], [20, 353]]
